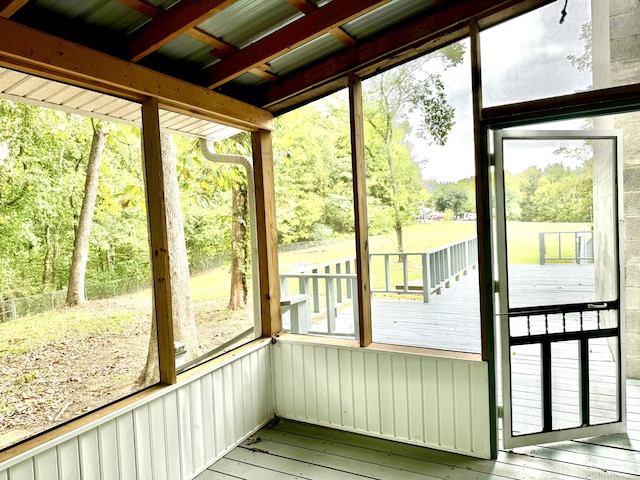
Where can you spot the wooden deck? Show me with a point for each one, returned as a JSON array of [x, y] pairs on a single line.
[[451, 321], [292, 450]]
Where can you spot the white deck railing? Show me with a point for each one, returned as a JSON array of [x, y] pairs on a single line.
[[321, 290]]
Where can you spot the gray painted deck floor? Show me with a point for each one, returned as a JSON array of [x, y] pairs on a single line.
[[293, 450], [451, 321]]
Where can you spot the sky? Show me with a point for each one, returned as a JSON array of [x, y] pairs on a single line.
[[522, 59]]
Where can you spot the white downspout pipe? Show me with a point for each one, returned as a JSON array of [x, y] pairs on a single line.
[[206, 146]]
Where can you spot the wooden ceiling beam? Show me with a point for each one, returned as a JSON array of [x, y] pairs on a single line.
[[143, 7], [412, 38], [221, 49], [305, 7], [35, 52], [9, 7], [343, 36], [171, 23], [312, 25]]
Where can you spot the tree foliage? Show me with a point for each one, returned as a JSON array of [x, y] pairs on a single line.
[[553, 194], [449, 197], [397, 100], [43, 159]]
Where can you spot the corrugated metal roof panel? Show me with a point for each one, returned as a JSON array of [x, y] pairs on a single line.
[[385, 16], [306, 54], [26, 86], [192, 126], [246, 21], [248, 80], [109, 14], [22, 87], [189, 50]]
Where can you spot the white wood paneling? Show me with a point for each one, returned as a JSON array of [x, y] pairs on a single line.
[[171, 420], [108, 450], [89, 454], [22, 471], [157, 429], [437, 402], [171, 435], [142, 430], [69, 459], [46, 466], [126, 446]]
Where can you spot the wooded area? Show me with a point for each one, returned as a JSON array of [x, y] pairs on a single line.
[[44, 158]]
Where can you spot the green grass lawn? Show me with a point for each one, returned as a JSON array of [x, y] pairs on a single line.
[[523, 246], [523, 243], [214, 284]]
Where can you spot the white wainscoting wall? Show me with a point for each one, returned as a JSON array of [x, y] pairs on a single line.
[[172, 435], [438, 402]]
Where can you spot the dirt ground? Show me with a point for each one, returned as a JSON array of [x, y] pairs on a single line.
[[64, 379]]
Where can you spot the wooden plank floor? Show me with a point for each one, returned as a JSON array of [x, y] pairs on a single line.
[[292, 450], [451, 321]]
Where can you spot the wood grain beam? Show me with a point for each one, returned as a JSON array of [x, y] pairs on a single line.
[[343, 36], [266, 232], [143, 7], [42, 54], [221, 49], [305, 7], [363, 280], [322, 20], [172, 23], [9, 7], [158, 239], [416, 36]]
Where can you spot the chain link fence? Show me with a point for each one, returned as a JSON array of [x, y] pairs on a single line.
[[44, 302], [21, 307], [294, 247]]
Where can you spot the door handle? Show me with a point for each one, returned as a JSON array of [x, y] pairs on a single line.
[[597, 306]]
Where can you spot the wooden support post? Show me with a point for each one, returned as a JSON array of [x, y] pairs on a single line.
[[363, 293], [158, 238], [266, 233]]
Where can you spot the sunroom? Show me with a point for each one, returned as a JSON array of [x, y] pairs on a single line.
[[319, 239]]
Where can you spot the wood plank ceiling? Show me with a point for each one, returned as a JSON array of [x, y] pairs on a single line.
[[273, 54]]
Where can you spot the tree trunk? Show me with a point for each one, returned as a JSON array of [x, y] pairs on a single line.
[[45, 260], [398, 227], [397, 219], [239, 247], [75, 292], [184, 325]]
